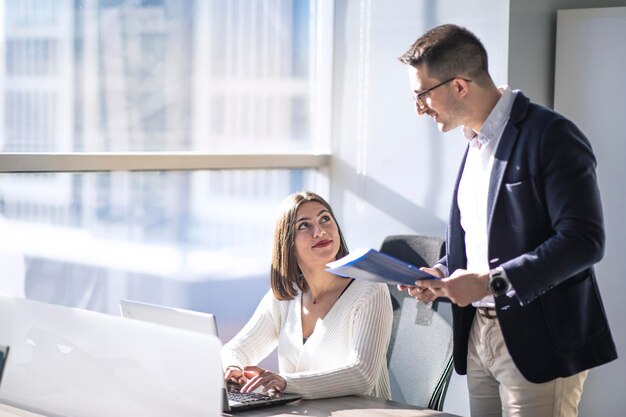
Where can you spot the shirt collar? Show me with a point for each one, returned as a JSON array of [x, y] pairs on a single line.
[[494, 122]]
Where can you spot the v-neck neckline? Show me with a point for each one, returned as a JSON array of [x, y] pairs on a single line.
[[301, 305]]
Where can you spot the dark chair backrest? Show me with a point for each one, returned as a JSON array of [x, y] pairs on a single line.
[[420, 351]]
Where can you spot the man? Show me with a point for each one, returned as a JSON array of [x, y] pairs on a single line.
[[525, 229]]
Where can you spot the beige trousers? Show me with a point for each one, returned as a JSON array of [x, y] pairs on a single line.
[[498, 389]]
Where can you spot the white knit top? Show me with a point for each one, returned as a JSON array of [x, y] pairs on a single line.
[[345, 354]]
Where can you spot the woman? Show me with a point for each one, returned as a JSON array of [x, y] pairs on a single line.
[[332, 333]]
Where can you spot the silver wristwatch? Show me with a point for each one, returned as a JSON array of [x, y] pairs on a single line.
[[498, 282]]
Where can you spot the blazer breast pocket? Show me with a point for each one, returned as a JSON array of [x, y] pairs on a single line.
[[523, 208]]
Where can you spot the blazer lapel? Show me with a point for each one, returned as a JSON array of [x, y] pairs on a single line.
[[503, 153]]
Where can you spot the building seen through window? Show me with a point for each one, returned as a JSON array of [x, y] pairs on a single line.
[[210, 76]]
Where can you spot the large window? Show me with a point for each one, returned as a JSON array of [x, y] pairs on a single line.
[[171, 75], [146, 144]]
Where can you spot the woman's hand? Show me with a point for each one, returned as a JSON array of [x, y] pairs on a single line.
[[258, 377], [235, 374], [419, 291]]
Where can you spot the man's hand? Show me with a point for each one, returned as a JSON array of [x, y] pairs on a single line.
[[462, 287]]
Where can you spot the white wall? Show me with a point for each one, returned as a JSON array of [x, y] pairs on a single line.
[[532, 34], [392, 171], [589, 88]]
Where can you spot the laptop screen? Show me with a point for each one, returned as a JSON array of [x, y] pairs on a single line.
[[203, 323], [169, 316]]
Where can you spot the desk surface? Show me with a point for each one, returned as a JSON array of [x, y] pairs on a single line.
[[8, 411], [352, 406]]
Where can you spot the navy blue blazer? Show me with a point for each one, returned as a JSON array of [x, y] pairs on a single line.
[[545, 228]]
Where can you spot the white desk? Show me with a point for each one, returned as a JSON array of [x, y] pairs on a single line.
[[8, 411], [352, 406]]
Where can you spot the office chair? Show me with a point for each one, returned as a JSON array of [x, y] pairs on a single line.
[[420, 351]]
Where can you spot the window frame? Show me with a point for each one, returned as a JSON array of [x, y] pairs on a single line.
[[155, 161]]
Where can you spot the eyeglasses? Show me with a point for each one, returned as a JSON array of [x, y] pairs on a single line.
[[420, 96]]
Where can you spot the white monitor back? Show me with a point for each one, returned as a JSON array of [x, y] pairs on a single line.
[[77, 363], [179, 318]]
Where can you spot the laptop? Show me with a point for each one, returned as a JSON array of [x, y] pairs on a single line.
[[233, 400], [71, 362]]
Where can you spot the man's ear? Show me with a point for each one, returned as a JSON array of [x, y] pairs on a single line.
[[461, 86]]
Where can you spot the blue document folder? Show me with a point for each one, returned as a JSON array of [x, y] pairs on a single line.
[[371, 265]]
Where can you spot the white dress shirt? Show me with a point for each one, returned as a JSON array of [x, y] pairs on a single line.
[[474, 186]]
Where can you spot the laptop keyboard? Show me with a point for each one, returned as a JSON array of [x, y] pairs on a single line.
[[234, 400], [248, 398]]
